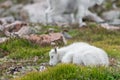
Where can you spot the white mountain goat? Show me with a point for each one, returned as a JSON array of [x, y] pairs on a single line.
[[76, 9], [79, 53]]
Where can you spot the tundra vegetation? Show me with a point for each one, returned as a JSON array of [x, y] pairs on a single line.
[[22, 50]]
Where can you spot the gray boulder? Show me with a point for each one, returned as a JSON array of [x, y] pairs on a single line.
[[111, 15], [24, 31], [3, 39]]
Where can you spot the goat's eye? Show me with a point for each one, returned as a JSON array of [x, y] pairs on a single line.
[[51, 56]]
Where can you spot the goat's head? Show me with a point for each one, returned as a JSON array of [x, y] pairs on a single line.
[[54, 58]]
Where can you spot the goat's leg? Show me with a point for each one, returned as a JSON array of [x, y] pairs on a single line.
[[73, 18], [48, 11], [94, 17], [79, 16], [67, 18], [46, 17], [49, 16]]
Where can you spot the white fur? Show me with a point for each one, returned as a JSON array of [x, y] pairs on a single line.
[[79, 53], [76, 9]]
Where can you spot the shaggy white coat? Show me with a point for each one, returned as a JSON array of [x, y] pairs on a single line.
[[76, 9], [79, 53]]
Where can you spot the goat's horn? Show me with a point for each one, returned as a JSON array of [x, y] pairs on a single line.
[[55, 49]]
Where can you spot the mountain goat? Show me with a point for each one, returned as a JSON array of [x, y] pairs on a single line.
[[79, 53], [76, 9]]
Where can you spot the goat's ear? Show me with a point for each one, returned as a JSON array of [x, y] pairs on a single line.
[[56, 50]]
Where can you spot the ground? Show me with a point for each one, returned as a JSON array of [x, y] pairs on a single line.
[[22, 52]]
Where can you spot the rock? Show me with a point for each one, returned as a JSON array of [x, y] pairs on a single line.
[[45, 64], [42, 68], [113, 62], [47, 39], [14, 69], [66, 35], [5, 20], [6, 4], [3, 39], [15, 11], [30, 68], [111, 15], [17, 29], [13, 27], [115, 22], [1, 28], [109, 27], [25, 31], [57, 38], [12, 10], [1, 11]]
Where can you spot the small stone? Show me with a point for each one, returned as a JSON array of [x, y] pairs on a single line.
[[109, 27], [6, 4], [66, 35], [42, 68], [3, 39]]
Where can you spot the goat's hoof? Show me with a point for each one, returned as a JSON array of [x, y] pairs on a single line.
[[82, 25]]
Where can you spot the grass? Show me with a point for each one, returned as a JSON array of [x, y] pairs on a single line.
[[1, 0], [105, 39], [73, 72], [22, 49]]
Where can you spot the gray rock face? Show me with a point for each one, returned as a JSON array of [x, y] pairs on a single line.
[[115, 22], [111, 15]]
